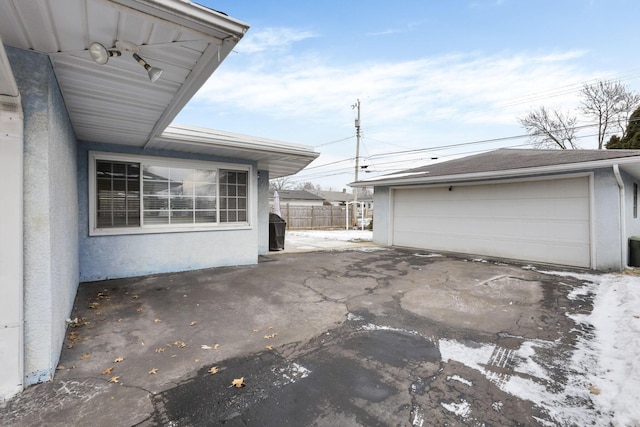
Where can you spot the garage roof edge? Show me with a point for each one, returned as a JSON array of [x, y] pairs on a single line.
[[506, 173]]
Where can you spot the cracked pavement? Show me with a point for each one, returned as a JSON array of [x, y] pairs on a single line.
[[356, 337]]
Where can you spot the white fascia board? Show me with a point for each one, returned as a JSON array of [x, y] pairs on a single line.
[[567, 167], [190, 15], [209, 137]]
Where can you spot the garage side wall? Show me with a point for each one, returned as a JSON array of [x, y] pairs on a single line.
[[382, 219], [606, 221], [117, 256]]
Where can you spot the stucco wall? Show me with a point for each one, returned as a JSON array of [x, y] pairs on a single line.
[[109, 257], [50, 213], [606, 221]]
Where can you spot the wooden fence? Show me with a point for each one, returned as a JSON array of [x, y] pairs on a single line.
[[313, 217]]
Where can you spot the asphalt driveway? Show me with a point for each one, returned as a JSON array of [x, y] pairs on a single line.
[[359, 337]]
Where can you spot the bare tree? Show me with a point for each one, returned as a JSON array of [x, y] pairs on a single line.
[[550, 129], [282, 183], [630, 103], [610, 103]]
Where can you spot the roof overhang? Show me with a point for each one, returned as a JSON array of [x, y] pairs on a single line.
[[116, 102], [279, 158], [630, 165]]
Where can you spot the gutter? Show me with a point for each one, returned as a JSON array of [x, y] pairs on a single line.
[[623, 222]]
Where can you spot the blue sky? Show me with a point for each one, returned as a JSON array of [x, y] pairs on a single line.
[[429, 74]]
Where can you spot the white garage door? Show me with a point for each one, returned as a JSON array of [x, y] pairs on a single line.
[[539, 221]]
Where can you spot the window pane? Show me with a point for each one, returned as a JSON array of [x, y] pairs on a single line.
[[156, 203], [156, 217], [233, 196], [204, 189], [178, 192], [206, 203], [205, 216], [181, 217], [117, 194], [181, 203]]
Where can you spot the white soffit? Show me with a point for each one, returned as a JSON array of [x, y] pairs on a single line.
[[280, 158], [116, 103]]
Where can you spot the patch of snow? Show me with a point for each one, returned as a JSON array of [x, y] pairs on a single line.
[[497, 406], [418, 416], [292, 373], [460, 379], [354, 317], [428, 255], [340, 235], [603, 373], [462, 409]]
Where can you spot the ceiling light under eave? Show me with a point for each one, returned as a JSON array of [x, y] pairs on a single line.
[[154, 72], [101, 54]]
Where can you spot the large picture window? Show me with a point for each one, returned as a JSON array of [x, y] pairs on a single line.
[[148, 194]]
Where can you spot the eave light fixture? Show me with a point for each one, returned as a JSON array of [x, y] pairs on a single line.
[[100, 54]]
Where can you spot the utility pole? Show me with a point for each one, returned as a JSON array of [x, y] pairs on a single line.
[[355, 189]]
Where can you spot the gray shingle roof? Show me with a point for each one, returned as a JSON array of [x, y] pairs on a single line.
[[295, 195], [513, 159]]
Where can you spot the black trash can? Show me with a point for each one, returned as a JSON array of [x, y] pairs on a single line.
[[277, 227], [634, 251]]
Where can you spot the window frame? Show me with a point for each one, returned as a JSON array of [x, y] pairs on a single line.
[[96, 156]]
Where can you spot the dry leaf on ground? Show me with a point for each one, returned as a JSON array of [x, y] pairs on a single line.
[[594, 390], [268, 337], [216, 346], [118, 359], [153, 371], [269, 347], [157, 320], [238, 382], [85, 356], [214, 370], [193, 323], [161, 350], [114, 379], [107, 371]]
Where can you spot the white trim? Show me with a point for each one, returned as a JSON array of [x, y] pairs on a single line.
[[592, 220], [500, 181], [623, 218], [167, 162]]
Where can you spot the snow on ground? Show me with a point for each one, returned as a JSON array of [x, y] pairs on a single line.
[[604, 368], [339, 235]]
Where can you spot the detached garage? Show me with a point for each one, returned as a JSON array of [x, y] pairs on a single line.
[[574, 208]]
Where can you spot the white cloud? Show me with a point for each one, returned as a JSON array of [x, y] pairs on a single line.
[[469, 87], [272, 39]]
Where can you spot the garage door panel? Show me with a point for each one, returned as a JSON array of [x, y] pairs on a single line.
[[564, 254], [500, 220]]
